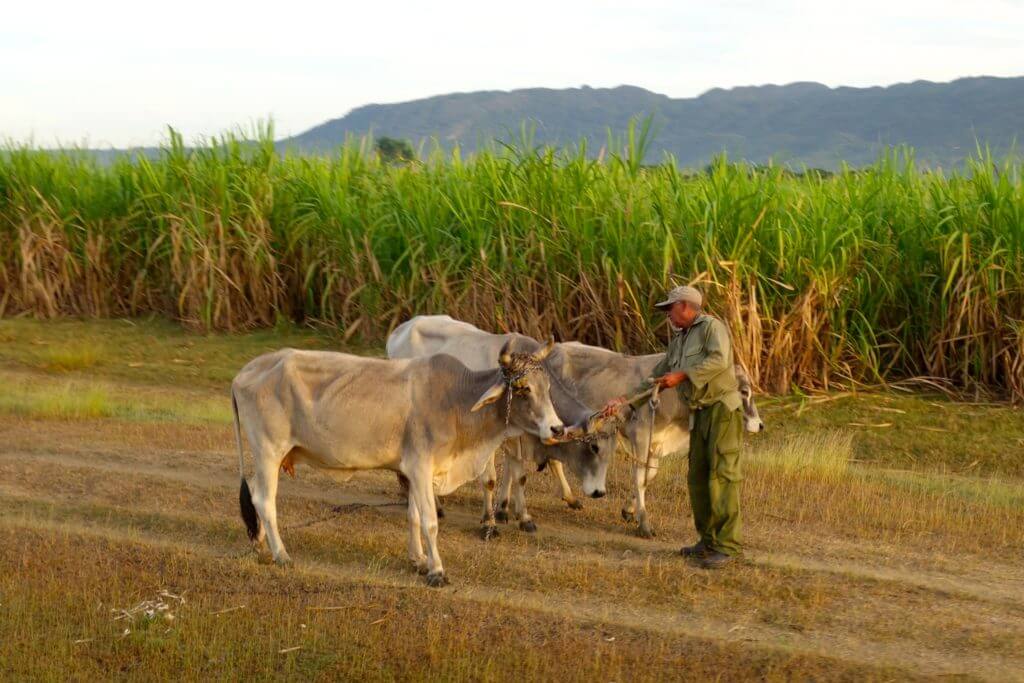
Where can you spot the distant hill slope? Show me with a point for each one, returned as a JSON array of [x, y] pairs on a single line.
[[801, 123]]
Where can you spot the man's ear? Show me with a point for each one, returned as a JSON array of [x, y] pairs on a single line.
[[489, 396]]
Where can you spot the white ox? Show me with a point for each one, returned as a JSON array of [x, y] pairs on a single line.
[[432, 419], [588, 459]]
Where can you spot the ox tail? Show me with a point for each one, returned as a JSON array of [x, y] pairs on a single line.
[[248, 510]]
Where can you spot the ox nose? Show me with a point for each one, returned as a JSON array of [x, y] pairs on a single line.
[[597, 494], [760, 426], [558, 430]]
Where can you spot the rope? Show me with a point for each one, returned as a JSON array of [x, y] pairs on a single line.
[[617, 416]]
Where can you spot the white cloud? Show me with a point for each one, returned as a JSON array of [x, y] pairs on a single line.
[[118, 72]]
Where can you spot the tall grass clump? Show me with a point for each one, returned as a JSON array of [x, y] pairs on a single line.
[[68, 402], [68, 358], [822, 456], [869, 275]]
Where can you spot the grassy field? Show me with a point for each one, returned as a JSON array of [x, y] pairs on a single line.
[[873, 275], [885, 542]]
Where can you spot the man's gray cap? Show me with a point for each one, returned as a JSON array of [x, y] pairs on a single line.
[[683, 293]]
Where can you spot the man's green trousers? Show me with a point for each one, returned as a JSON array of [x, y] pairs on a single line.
[[715, 477]]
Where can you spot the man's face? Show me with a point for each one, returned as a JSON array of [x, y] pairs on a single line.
[[682, 314]]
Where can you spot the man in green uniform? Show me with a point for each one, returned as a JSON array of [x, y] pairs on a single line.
[[699, 362]]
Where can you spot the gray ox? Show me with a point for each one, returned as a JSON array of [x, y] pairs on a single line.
[[600, 374], [428, 335], [432, 419], [594, 375]]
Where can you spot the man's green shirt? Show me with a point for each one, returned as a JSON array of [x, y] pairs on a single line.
[[704, 352]]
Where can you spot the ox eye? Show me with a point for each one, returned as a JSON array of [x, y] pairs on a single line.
[[595, 449]]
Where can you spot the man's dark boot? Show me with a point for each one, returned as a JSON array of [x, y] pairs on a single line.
[[695, 551], [714, 559]]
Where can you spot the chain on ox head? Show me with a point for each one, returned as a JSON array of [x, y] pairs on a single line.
[[516, 367]]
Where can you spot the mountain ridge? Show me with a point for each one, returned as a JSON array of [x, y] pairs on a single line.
[[800, 123]]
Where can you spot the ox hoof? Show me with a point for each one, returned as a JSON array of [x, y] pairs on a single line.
[[645, 531], [437, 580], [488, 532], [628, 516], [501, 516], [574, 504], [283, 561], [440, 512], [528, 526]]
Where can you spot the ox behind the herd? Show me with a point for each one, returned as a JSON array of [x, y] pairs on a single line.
[[449, 400]]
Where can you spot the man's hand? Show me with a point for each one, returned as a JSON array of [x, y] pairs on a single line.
[[671, 379], [613, 406]]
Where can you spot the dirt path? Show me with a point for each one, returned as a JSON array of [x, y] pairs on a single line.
[[561, 537], [605, 613], [990, 581]]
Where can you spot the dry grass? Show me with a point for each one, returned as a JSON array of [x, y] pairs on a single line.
[[69, 401], [854, 570], [371, 632], [824, 457], [44, 397], [72, 357], [148, 350]]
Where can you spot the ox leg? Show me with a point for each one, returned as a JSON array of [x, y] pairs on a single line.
[[504, 488], [264, 499], [567, 494], [421, 490], [639, 495], [489, 481], [416, 556], [403, 482], [629, 512], [643, 471], [518, 475], [641, 482]]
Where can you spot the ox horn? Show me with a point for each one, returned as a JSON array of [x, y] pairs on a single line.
[[492, 394], [546, 351], [504, 356]]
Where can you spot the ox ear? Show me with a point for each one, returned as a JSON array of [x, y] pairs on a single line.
[[505, 356], [489, 396], [546, 351]]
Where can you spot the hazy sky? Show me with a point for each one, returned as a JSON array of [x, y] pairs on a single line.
[[115, 73]]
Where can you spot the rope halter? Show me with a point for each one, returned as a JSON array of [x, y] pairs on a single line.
[[515, 367]]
